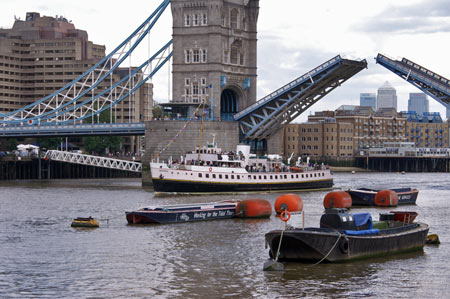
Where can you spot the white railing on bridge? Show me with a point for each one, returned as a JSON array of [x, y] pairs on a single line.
[[90, 160]]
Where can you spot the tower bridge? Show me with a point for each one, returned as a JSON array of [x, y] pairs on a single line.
[[214, 61]]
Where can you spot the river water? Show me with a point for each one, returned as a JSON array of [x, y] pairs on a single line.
[[41, 256]]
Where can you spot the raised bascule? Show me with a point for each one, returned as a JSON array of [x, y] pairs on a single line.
[[434, 85], [264, 118]]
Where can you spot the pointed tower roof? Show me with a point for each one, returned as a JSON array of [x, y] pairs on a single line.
[[387, 85]]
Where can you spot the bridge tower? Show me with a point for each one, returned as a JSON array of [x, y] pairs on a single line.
[[214, 55]]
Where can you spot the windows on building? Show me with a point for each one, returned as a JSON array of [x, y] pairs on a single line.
[[195, 20], [196, 56], [187, 56], [236, 55], [195, 88], [234, 17], [204, 56]]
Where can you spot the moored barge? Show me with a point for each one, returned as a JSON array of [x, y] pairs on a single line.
[[182, 213], [343, 237], [366, 196]]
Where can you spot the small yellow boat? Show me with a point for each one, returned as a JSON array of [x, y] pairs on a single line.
[[85, 222]]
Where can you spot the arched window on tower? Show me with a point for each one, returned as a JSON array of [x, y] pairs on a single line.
[[236, 52], [234, 17]]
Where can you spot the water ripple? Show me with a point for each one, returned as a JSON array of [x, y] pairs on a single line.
[[43, 257]]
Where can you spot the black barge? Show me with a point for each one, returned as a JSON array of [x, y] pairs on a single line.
[[343, 237]]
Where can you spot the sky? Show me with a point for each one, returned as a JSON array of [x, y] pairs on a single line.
[[294, 36]]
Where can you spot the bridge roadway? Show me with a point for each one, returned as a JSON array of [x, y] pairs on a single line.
[[117, 129], [436, 86]]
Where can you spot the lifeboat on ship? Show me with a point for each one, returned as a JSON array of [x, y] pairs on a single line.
[[296, 169]]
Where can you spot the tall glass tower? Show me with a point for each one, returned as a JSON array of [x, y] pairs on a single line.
[[368, 99], [418, 102], [387, 96]]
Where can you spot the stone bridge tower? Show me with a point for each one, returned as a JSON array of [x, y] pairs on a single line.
[[214, 56]]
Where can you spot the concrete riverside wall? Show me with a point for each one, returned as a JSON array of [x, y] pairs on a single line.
[[159, 133]]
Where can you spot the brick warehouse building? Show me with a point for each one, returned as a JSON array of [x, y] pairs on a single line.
[[343, 132]]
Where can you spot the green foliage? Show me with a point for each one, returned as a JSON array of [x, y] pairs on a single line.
[[49, 143], [157, 111], [98, 144], [11, 144]]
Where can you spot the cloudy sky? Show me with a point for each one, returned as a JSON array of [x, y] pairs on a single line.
[[293, 38]]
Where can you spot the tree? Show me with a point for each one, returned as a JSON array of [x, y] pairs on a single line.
[[157, 111], [99, 144], [48, 143], [11, 144]]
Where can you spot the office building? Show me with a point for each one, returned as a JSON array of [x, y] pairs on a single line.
[[387, 96], [368, 99], [419, 103]]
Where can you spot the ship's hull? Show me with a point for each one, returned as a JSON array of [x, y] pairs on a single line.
[[366, 197], [183, 215], [312, 245], [181, 186]]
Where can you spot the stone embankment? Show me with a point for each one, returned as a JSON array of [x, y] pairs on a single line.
[[348, 169]]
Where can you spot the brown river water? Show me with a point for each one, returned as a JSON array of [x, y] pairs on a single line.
[[43, 257]]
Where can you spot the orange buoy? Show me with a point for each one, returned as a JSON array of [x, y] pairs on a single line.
[[386, 198], [254, 208], [289, 202], [337, 199]]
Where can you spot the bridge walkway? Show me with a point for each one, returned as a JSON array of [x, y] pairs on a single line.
[[90, 160]]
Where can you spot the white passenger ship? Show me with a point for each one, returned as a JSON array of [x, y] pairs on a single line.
[[208, 169]]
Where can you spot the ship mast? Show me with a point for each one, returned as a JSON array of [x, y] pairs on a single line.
[[201, 129]]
